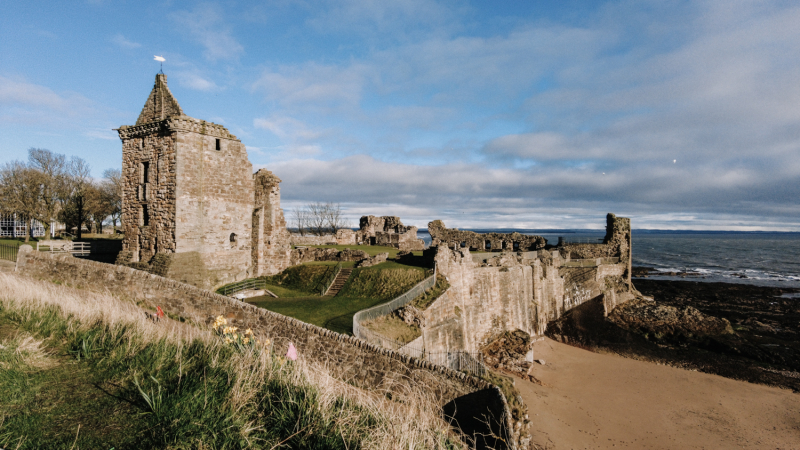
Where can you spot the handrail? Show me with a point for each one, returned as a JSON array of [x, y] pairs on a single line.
[[453, 359], [326, 285], [233, 288], [386, 308]]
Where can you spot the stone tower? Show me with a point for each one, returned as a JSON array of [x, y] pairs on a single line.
[[188, 190]]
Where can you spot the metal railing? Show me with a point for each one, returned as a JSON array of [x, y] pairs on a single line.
[[9, 252], [328, 282], [386, 308], [253, 283], [452, 359]]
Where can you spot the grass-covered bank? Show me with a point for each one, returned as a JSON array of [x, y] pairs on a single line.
[[80, 370], [368, 286]]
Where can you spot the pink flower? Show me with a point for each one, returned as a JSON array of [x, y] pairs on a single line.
[[292, 353]]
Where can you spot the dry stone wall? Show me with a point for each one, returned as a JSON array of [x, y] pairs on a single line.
[[347, 358]]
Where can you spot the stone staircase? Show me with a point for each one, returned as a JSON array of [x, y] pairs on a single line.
[[338, 283]]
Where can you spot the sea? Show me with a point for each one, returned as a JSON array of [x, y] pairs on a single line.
[[756, 258]]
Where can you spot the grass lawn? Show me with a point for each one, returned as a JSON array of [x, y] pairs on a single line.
[[366, 287], [333, 313], [17, 242]]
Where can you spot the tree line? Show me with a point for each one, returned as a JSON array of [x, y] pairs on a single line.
[[48, 187], [318, 219]]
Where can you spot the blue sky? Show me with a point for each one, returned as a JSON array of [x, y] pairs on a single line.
[[530, 114]]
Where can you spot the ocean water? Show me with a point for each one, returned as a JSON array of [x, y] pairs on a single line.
[[763, 259]]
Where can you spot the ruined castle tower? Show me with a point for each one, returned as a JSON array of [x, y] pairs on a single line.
[[271, 240], [188, 190]]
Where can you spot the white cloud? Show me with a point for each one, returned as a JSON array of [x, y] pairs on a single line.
[[123, 42], [195, 81], [206, 26], [25, 102]]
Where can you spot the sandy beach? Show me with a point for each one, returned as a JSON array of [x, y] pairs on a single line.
[[590, 401]]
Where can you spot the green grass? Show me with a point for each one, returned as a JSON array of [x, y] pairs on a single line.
[[17, 242], [429, 296], [366, 287], [101, 386], [333, 313], [80, 370]]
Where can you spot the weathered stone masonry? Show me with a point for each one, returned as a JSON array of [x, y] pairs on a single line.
[[189, 191], [453, 238], [491, 293]]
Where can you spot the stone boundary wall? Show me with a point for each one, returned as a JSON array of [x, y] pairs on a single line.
[[344, 236], [325, 239], [347, 358]]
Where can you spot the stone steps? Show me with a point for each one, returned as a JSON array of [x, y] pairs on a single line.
[[339, 282]]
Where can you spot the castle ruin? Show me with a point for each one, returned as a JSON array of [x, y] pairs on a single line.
[[189, 191]]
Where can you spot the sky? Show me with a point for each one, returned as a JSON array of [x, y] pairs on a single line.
[[515, 114]]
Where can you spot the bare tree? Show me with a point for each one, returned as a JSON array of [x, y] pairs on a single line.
[[112, 187], [73, 195], [99, 203], [54, 168], [333, 216], [323, 218], [20, 189], [317, 220], [300, 219]]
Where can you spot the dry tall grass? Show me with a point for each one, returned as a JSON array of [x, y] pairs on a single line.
[[413, 424]]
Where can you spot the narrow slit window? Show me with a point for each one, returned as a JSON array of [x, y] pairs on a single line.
[[218, 145], [145, 216], [145, 171]]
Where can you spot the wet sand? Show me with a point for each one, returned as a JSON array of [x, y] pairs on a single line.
[[591, 400]]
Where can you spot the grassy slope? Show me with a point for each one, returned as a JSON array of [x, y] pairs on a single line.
[[366, 287], [81, 371]]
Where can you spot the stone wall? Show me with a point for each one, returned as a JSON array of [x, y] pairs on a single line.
[[616, 244], [302, 255], [388, 231], [347, 358], [344, 236], [187, 189], [454, 238], [148, 189], [271, 250], [510, 291]]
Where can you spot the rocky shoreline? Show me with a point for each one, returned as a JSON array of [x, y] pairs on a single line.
[[687, 326]]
